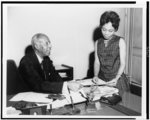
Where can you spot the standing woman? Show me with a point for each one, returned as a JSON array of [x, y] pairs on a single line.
[[110, 54]]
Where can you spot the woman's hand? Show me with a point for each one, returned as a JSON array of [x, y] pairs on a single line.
[[113, 82], [98, 81], [95, 80]]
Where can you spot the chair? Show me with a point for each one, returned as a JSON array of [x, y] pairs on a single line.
[[15, 83]]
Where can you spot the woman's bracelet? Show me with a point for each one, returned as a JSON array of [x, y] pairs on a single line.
[[95, 75]]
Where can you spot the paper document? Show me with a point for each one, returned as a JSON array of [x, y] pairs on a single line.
[[60, 67], [32, 97], [86, 82], [12, 111], [63, 74], [89, 82], [55, 104]]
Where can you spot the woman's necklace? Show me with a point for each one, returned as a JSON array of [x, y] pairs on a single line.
[[106, 42]]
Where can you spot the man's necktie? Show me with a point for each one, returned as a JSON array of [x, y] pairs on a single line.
[[43, 65]]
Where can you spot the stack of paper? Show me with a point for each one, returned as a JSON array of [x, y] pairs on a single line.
[[100, 91], [32, 97]]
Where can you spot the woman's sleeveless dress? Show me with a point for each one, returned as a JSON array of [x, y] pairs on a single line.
[[109, 58]]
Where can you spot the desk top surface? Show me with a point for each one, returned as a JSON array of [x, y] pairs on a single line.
[[130, 105]]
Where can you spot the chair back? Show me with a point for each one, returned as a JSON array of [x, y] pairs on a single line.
[[15, 83]]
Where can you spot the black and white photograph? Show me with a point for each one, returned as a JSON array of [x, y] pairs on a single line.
[[72, 59]]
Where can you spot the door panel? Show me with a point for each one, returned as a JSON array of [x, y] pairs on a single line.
[[137, 46], [134, 44]]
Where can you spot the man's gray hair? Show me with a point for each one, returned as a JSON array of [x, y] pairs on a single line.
[[36, 38]]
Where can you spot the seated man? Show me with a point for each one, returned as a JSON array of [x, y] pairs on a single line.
[[37, 69]]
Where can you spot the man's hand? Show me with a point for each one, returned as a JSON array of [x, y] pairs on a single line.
[[74, 86]]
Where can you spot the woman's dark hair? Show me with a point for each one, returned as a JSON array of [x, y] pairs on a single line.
[[110, 16]]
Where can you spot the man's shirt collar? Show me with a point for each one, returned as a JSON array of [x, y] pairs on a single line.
[[39, 58]]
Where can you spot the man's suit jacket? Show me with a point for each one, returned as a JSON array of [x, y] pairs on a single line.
[[33, 75]]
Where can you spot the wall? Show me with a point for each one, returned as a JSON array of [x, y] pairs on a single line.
[[69, 27]]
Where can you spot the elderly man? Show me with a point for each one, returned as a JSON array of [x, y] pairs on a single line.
[[38, 71]]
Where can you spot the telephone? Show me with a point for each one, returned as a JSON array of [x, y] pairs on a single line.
[[111, 100]]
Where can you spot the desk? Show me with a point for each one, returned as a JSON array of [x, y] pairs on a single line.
[[130, 106], [65, 71]]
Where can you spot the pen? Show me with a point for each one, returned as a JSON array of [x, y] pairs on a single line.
[[74, 110], [51, 109], [94, 85], [71, 99], [107, 84], [83, 95]]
